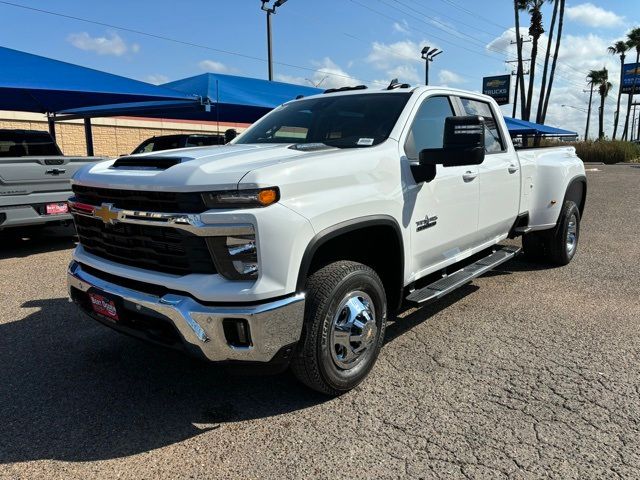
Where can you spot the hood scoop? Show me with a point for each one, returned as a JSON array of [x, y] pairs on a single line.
[[147, 163]]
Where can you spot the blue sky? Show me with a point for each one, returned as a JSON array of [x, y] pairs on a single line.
[[368, 40]]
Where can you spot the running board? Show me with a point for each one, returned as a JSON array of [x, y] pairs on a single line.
[[463, 276]]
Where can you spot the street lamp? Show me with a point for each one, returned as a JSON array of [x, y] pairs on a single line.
[[270, 11], [428, 56]]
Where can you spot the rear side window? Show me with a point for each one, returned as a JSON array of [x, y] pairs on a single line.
[[24, 144], [493, 139], [427, 130]]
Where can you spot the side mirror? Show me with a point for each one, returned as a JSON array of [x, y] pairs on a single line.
[[463, 143]]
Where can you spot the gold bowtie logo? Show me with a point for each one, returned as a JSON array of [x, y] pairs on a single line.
[[106, 214]]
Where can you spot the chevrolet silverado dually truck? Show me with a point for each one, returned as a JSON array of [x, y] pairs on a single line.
[[34, 179], [293, 244]]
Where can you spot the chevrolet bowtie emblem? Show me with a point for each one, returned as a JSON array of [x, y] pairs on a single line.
[[106, 213]]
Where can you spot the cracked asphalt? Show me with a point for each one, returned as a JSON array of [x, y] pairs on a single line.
[[528, 372]]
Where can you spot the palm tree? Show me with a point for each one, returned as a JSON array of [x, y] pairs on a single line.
[[536, 29], [555, 61], [594, 77], [603, 88], [633, 41], [520, 76], [618, 48], [546, 62]]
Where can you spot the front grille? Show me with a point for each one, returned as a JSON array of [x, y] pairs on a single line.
[[169, 202], [162, 249]]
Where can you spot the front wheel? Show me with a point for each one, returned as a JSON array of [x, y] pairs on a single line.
[[345, 318]]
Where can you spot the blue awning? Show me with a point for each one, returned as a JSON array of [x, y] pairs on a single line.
[[522, 127], [238, 99], [31, 83], [224, 98]]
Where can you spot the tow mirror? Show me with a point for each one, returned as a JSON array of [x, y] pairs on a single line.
[[463, 143]]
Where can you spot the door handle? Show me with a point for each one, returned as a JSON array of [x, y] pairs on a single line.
[[469, 176], [512, 168]]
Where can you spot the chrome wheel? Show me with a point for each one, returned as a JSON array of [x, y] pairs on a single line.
[[572, 234], [353, 330]]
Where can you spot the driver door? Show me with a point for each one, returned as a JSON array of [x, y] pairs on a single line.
[[443, 212]]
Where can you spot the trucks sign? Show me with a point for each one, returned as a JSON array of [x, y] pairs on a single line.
[[631, 72], [498, 88]]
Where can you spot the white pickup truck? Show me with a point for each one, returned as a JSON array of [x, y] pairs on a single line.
[[295, 243]]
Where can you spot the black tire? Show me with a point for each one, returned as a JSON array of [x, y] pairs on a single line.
[[559, 253], [552, 245], [316, 362]]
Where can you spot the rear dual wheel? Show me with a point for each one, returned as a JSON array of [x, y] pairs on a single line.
[[557, 246]]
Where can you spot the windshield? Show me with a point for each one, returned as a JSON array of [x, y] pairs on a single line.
[[344, 121]]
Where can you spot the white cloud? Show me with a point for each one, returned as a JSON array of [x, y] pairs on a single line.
[[399, 60], [112, 44], [594, 16], [401, 27], [578, 55], [447, 77], [157, 79], [216, 67], [328, 75]]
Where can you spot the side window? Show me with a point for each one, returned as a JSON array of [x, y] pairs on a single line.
[[427, 130], [493, 140]]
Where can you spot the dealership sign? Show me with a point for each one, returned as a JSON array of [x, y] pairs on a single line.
[[631, 72], [498, 88]]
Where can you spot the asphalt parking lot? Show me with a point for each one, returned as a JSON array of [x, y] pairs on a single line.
[[528, 372]]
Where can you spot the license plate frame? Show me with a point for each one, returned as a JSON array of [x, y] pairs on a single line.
[[57, 208], [105, 306]]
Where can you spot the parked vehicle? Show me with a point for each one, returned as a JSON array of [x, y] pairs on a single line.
[[35, 179], [169, 142], [294, 244]]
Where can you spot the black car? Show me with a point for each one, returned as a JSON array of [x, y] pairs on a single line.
[[168, 142]]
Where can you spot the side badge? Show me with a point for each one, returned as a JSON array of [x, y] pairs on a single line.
[[428, 222]]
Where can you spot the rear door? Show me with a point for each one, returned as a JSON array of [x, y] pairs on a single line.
[[499, 175], [444, 211]]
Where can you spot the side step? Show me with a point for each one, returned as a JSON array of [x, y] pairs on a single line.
[[463, 276]]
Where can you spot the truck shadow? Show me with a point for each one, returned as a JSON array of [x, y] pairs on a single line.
[[73, 390], [33, 241]]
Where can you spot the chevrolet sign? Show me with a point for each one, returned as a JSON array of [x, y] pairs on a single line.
[[498, 88]]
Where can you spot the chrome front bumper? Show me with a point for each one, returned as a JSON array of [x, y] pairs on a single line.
[[272, 325]]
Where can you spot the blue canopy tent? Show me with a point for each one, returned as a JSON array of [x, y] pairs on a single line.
[[521, 127], [31, 83], [224, 98]]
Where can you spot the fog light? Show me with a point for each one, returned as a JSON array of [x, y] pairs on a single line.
[[236, 257]]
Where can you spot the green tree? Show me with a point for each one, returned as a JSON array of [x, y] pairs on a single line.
[[555, 61], [633, 42], [520, 75], [604, 85], [536, 29], [547, 56], [594, 78], [618, 48]]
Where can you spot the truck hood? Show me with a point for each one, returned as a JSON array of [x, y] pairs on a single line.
[[208, 168]]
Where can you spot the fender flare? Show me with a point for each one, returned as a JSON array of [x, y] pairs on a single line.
[[574, 181], [341, 228]]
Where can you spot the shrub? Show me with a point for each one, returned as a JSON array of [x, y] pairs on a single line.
[[607, 151]]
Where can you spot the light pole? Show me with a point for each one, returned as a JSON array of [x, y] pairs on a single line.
[[428, 56], [270, 11]]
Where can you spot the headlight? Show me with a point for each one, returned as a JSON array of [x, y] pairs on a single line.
[[261, 197], [235, 257]]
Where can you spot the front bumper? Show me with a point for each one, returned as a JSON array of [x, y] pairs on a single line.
[[272, 326]]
